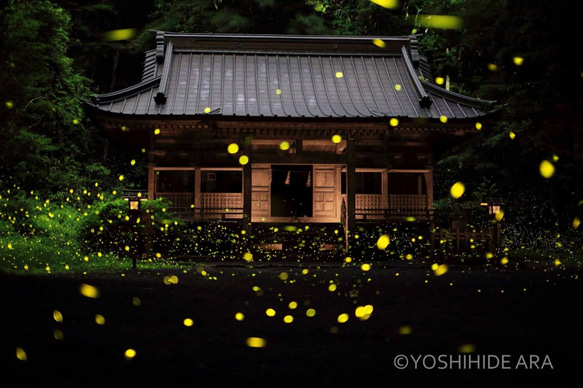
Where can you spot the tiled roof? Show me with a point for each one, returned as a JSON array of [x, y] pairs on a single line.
[[285, 76]]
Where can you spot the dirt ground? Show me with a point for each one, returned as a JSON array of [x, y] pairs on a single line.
[[523, 319]]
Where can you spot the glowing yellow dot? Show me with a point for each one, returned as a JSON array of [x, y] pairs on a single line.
[[248, 256], [379, 42], [133, 162], [555, 158], [518, 61], [394, 122], [100, 319], [342, 318], [466, 348], [129, 354], [207, 110], [332, 287], [386, 3], [136, 301], [478, 126], [439, 80], [440, 21], [157, 131], [547, 169], [9, 104], [457, 190], [9, 245], [239, 316], [288, 319], [292, 305], [21, 354], [57, 316], [278, 91], [576, 222], [339, 74], [492, 67], [383, 242], [397, 87], [443, 119], [409, 256], [557, 262], [499, 215], [336, 139], [270, 312], [256, 342], [75, 121], [440, 269], [121, 34], [504, 261], [243, 160], [365, 267], [188, 322], [89, 291], [363, 312], [121, 177], [310, 313], [233, 148], [405, 330], [348, 260], [284, 146], [283, 276], [512, 135], [58, 335]]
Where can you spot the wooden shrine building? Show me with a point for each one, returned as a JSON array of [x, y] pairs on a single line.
[[276, 128]]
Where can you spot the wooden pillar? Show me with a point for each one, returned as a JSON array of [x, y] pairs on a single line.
[[350, 194], [247, 188], [151, 181], [429, 186], [430, 216], [197, 192]]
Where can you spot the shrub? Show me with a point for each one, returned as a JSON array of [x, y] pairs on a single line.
[[109, 228]]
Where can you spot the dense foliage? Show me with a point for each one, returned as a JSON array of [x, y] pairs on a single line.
[[516, 52]]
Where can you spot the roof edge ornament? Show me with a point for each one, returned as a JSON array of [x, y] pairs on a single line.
[[160, 46], [414, 39], [160, 97], [424, 97]]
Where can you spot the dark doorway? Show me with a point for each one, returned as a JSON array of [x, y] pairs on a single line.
[[291, 191]]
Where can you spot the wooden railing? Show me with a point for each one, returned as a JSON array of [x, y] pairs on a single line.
[[215, 206], [407, 201], [179, 200], [393, 215]]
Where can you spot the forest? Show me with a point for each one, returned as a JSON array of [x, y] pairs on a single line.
[[60, 178]]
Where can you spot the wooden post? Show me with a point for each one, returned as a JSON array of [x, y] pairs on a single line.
[[151, 181], [197, 192], [350, 193], [247, 188]]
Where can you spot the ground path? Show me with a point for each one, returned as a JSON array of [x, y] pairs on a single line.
[[503, 314]]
